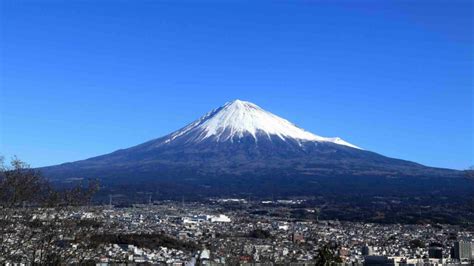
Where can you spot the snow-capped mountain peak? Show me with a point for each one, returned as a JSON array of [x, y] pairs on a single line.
[[238, 118]]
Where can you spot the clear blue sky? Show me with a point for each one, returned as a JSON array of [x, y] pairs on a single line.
[[84, 78]]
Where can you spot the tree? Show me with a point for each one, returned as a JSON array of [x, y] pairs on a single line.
[[327, 255], [417, 243], [259, 233], [31, 214], [19, 184]]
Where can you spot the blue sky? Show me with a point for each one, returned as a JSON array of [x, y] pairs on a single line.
[[84, 78]]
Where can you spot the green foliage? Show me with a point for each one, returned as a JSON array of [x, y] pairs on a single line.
[[259, 233], [416, 243], [327, 255]]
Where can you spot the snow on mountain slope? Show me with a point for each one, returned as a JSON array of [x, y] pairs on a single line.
[[238, 118]]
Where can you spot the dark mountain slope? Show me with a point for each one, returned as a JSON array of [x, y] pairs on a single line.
[[243, 146]]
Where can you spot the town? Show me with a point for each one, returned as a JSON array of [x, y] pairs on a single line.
[[229, 231]]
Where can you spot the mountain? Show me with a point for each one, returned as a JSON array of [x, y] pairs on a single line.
[[238, 119], [241, 147]]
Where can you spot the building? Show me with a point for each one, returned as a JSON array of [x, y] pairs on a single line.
[[367, 251], [435, 252], [297, 238], [221, 218], [379, 261], [462, 250]]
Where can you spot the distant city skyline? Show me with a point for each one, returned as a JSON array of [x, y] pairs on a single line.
[[80, 78]]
